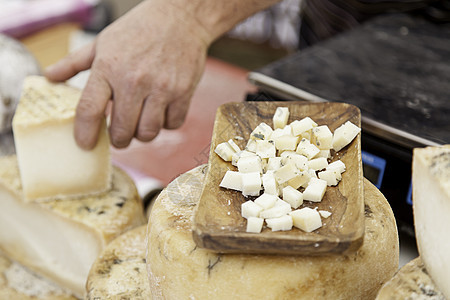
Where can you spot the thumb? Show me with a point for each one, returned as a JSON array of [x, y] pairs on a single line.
[[72, 64]]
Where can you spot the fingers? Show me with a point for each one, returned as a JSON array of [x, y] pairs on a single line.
[[90, 111], [72, 64], [176, 113]]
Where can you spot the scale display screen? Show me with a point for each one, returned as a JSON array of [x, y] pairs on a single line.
[[373, 168]]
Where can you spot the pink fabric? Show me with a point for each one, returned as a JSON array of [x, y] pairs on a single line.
[[20, 18]]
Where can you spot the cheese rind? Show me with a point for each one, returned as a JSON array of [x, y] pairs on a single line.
[[60, 239], [431, 208], [179, 269], [51, 163]]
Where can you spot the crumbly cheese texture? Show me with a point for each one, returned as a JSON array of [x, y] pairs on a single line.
[[120, 270], [60, 239], [431, 207], [51, 163], [412, 281], [178, 269]]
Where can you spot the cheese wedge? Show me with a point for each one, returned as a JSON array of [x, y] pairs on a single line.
[[51, 163], [120, 271], [61, 239], [431, 207], [179, 269]]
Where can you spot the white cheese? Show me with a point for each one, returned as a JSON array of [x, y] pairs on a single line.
[[274, 163], [280, 117], [344, 134], [269, 183], [250, 164], [265, 148], [61, 239], [225, 151], [282, 223], [306, 219], [307, 149], [318, 163], [286, 173], [233, 145], [50, 161], [280, 209], [303, 125], [315, 190], [251, 183], [301, 179], [324, 214], [261, 132], [300, 161], [286, 142], [431, 208], [292, 196], [250, 209], [322, 137], [254, 224], [330, 177], [232, 180], [266, 200], [251, 145], [243, 153]]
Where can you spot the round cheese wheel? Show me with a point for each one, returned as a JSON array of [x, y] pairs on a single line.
[[178, 269], [411, 282], [120, 271], [17, 282]]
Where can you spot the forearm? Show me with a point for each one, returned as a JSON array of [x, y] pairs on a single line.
[[212, 18]]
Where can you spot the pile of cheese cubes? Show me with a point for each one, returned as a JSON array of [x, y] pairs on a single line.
[[288, 164]]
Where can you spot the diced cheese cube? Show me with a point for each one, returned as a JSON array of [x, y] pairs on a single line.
[[286, 142], [265, 148], [266, 200], [322, 137], [318, 163], [50, 161], [261, 132], [251, 145], [250, 209], [303, 125], [225, 151], [299, 180], [337, 166], [274, 163], [306, 219], [331, 177], [280, 118], [324, 214], [269, 183], [286, 173], [232, 180], [282, 223], [249, 164], [277, 133], [323, 153], [242, 153], [254, 225], [299, 160], [251, 184], [307, 149], [233, 145], [315, 190], [306, 135], [312, 174], [280, 209], [344, 134], [292, 196]]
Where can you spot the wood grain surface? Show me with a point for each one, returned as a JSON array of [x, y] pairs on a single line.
[[218, 224]]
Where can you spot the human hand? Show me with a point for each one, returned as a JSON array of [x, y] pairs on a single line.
[[146, 64]]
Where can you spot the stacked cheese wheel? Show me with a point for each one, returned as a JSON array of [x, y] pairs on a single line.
[[178, 269], [60, 205]]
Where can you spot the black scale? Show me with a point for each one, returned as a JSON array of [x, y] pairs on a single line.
[[396, 69]]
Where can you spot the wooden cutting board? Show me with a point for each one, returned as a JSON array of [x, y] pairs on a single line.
[[218, 224]]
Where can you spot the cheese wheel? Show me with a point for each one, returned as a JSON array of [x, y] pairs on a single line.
[[411, 282], [120, 271], [17, 282], [61, 239], [431, 209], [178, 269]]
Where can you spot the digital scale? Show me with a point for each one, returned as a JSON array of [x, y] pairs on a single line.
[[396, 69]]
